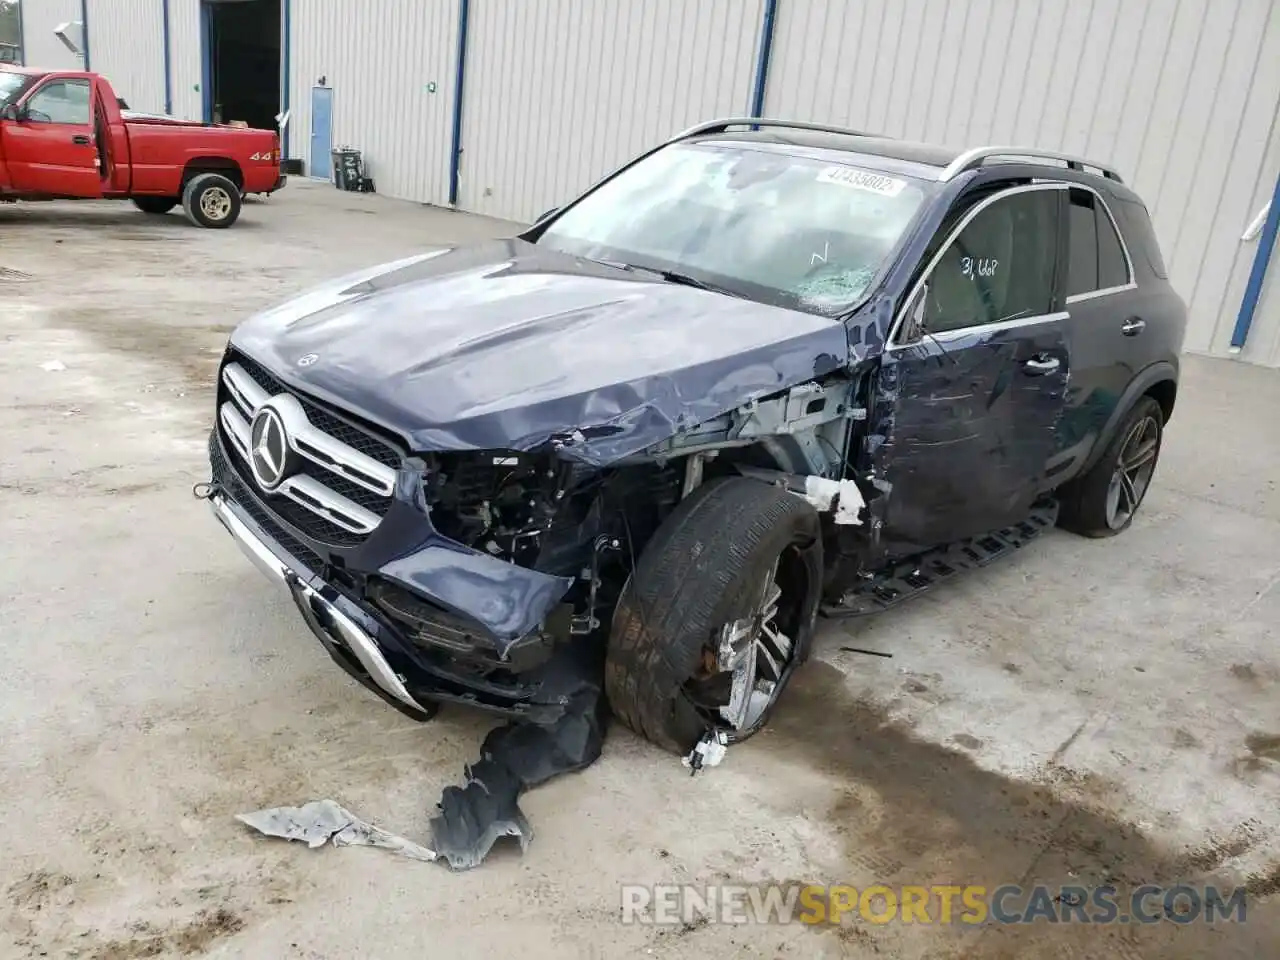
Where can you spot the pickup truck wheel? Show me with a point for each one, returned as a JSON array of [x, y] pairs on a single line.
[[1103, 502], [719, 611], [156, 205], [211, 200]]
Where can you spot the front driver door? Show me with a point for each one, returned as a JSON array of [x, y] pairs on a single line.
[[972, 386], [52, 148]]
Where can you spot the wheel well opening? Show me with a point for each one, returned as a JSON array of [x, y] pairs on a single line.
[[223, 165], [1164, 393]]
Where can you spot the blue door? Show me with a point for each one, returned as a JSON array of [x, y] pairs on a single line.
[[321, 133]]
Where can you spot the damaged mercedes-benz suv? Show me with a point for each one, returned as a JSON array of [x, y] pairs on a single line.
[[765, 371]]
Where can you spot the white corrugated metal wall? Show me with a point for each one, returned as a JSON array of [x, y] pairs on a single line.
[[126, 45], [185, 59], [559, 92], [39, 45], [392, 75], [1181, 95]]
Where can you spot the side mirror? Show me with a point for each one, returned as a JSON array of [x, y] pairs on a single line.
[[546, 214], [11, 112]]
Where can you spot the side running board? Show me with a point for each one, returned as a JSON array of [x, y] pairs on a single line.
[[910, 578]]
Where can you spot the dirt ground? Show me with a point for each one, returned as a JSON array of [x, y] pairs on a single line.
[[1087, 712]]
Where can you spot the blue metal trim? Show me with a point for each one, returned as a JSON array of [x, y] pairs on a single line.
[[206, 65], [84, 21], [286, 28], [762, 63], [168, 65], [455, 157], [1258, 275]]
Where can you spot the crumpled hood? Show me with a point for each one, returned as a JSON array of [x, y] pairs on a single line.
[[506, 345]]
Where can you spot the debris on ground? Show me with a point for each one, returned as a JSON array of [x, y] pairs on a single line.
[[473, 817], [324, 821], [53, 366], [707, 752], [515, 757]]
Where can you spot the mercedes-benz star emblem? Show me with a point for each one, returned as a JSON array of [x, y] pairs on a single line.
[[307, 359], [268, 448]]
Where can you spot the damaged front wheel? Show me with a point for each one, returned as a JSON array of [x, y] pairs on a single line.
[[720, 610]]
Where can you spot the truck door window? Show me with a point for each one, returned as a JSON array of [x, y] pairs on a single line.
[[61, 101], [1001, 266]]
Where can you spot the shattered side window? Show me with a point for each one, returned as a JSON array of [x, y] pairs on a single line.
[[799, 231]]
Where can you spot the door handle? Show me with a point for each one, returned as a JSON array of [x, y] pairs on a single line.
[[81, 139], [1040, 365], [1133, 326]]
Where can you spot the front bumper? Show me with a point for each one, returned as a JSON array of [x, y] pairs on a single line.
[[363, 639], [339, 633]]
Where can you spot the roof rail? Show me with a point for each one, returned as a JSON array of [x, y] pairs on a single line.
[[720, 126], [972, 159]]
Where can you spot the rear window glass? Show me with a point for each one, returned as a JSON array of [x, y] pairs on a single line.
[[1145, 235], [1097, 260]]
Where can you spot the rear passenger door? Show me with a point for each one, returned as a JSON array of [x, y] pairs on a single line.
[[971, 386], [1103, 327]]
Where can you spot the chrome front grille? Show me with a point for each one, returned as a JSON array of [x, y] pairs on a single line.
[[324, 485]]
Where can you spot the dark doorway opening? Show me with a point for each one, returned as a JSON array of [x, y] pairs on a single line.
[[244, 61]]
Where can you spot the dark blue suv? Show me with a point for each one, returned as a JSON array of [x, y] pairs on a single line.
[[765, 372]]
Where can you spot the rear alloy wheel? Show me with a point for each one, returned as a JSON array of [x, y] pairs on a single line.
[[718, 613], [211, 200], [155, 205], [1105, 500]]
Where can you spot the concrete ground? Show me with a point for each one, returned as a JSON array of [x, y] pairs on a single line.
[[1087, 712]]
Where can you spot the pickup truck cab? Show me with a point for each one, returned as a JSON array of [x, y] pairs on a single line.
[[63, 136]]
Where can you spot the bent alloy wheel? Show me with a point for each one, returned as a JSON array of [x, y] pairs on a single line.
[[746, 667], [719, 611], [1104, 501]]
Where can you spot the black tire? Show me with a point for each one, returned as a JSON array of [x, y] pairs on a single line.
[[155, 205], [211, 200], [1085, 501], [702, 569]]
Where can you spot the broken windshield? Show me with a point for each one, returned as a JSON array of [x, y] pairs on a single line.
[[797, 231]]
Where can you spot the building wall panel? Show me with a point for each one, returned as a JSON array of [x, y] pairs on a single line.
[[392, 76], [185, 63], [40, 47], [126, 45], [559, 92], [1180, 95]]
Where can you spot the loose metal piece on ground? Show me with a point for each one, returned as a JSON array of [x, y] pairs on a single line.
[[324, 821]]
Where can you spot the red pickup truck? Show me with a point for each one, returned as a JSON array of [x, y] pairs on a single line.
[[63, 136]]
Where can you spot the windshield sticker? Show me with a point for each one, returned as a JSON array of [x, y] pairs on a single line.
[[862, 180]]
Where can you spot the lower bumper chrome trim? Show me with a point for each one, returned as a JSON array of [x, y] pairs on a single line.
[[348, 632]]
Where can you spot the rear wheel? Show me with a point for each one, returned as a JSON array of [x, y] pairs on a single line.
[[1104, 501], [211, 200], [719, 611], [156, 205]]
